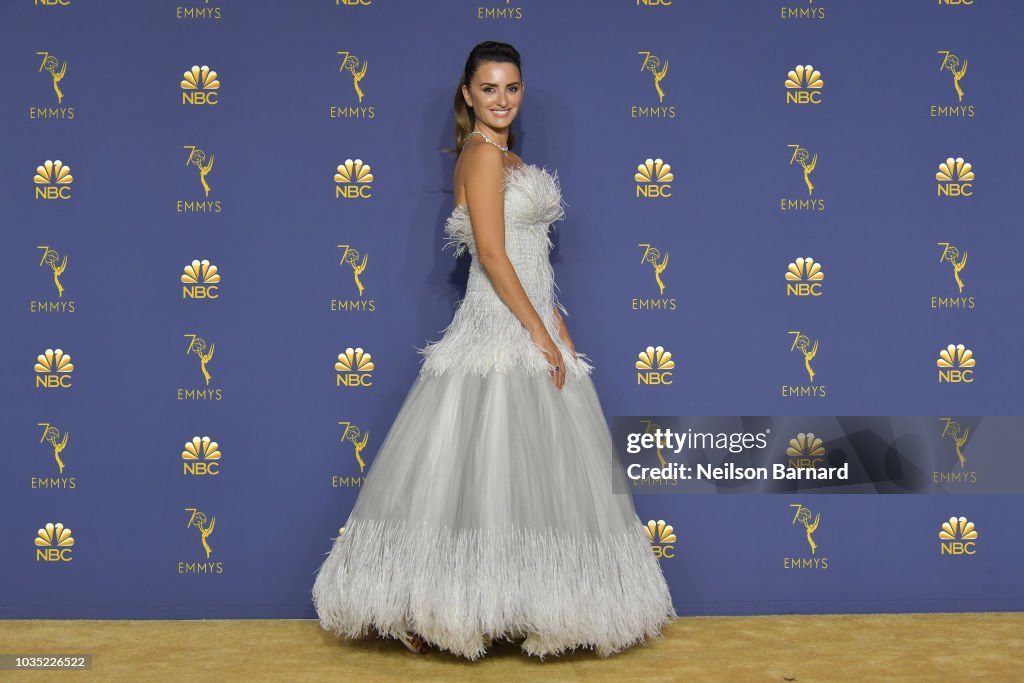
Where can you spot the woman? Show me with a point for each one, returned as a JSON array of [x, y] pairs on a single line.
[[489, 510]]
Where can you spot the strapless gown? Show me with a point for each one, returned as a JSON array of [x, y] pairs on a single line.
[[489, 508]]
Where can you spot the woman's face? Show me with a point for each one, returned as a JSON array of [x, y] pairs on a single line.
[[495, 93]]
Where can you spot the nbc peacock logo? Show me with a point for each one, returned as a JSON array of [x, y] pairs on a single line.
[[956, 364], [200, 85], [355, 368], [53, 370], [958, 537], [55, 442], [201, 457], [805, 450], [653, 179], [804, 277], [54, 543], [353, 440], [810, 521], [956, 178], [804, 85], [654, 366], [53, 180], [663, 539], [353, 264], [200, 280], [353, 180]]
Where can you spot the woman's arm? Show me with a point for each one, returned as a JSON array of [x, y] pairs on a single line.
[[485, 199], [563, 331]]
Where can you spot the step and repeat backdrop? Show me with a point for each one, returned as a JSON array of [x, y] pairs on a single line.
[[223, 223]]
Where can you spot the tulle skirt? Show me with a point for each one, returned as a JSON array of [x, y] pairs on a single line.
[[489, 510]]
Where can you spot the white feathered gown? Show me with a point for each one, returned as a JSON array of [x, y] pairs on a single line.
[[489, 507]]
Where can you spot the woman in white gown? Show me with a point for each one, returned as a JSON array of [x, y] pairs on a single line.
[[488, 511]]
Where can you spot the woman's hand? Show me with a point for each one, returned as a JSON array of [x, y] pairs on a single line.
[[547, 345]]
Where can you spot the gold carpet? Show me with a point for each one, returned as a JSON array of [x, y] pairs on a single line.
[[863, 648]]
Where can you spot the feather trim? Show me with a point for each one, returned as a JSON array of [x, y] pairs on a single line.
[[455, 588]]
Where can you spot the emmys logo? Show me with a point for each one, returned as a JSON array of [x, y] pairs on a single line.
[[802, 157], [958, 537], [354, 368], [200, 281], [809, 12], [351, 434], [654, 366], [952, 256], [951, 63], [53, 543], [958, 434], [653, 179], [805, 450], [199, 86], [197, 346], [350, 64], [53, 180], [803, 85], [354, 263], [56, 72], [810, 522], [197, 520], [198, 158], [201, 457], [506, 12], [662, 537], [198, 13], [353, 180], [955, 178], [53, 370], [652, 255], [956, 364], [57, 443], [652, 64], [57, 264], [803, 278], [802, 343]]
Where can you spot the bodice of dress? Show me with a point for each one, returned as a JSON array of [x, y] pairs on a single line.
[[484, 335]]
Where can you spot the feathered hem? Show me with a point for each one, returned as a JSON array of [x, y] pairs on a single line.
[[457, 588]]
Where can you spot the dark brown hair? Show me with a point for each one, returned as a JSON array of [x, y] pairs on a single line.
[[465, 119]]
